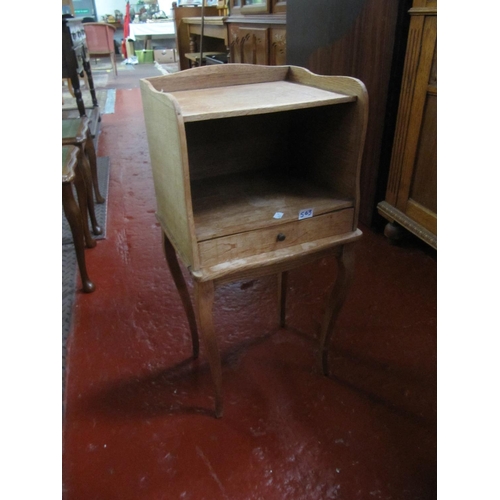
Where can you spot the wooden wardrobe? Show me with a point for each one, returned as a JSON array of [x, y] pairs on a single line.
[[411, 196]]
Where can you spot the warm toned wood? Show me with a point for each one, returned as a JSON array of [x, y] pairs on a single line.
[[76, 214], [278, 6], [180, 284], [355, 38], [240, 154], [246, 34], [392, 214], [336, 300], [254, 242], [170, 170], [182, 36], [204, 293], [411, 196], [242, 202], [244, 100], [213, 76], [255, 45], [92, 157], [75, 131], [277, 50], [275, 261]]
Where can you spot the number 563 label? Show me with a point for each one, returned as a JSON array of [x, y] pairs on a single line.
[[306, 213]]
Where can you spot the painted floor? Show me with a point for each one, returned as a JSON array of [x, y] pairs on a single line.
[[138, 420]]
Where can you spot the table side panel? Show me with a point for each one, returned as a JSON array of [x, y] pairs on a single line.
[[167, 148]]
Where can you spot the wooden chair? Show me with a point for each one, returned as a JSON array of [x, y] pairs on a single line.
[[76, 214], [76, 132], [100, 41]]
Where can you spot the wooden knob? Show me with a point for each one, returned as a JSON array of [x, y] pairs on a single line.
[[280, 237]]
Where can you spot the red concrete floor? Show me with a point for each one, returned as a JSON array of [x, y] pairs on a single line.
[[139, 422]]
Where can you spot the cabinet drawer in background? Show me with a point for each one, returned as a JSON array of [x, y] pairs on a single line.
[[247, 244]]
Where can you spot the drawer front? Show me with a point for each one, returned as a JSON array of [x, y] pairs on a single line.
[[243, 245]]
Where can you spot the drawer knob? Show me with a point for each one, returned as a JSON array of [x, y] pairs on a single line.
[[280, 237]]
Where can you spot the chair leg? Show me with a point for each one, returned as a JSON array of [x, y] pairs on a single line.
[[92, 157], [336, 300], [180, 284], [204, 293], [74, 217]]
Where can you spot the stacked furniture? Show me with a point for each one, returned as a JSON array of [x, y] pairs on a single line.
[[76, 63], [79, 168], [76, 213], [253, 32]]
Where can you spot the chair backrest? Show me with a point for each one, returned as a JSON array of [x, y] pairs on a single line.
[[100, 37]]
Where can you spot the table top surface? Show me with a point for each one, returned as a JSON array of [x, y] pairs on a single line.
[[143, 29]]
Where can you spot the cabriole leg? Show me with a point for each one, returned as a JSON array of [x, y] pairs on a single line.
[[180, 284], [204, 292], [335, 301]]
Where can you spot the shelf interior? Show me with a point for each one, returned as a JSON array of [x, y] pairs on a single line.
[[253, 99], [235, 203]]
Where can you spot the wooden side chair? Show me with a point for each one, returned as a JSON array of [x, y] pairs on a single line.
[[76, 214], [76, 132]]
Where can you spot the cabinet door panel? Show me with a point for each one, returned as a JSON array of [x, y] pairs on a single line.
[[254, 45], [424, 185], [277, 54], [421, 117]]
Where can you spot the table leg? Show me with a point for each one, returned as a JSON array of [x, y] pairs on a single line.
[[81, 192], [90, 152], [74, 216], [180, 284], [204, 293], [84, 166], [336, 300]]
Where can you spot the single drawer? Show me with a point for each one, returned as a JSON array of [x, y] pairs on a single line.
[[247, 244]]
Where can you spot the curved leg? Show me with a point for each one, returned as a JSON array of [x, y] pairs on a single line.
[[84, 166], [180, 284], [282, 288], [73, 214], [90, 152], [336, 300], [81, 192], [205, 292]]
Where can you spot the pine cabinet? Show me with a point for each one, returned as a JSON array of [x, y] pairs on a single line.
[[256, 171], [411, 196]]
